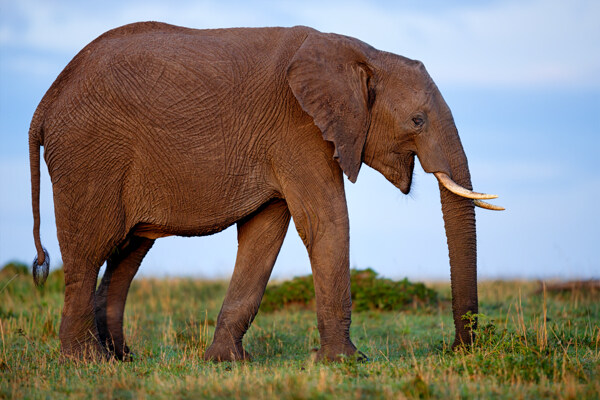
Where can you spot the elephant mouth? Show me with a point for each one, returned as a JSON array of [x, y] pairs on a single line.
[[407, 166]]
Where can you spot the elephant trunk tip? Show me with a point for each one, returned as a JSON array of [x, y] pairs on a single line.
[[40, 271]]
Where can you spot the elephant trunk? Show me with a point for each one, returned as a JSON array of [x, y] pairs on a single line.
[[458, 207], [459, 222], [443, 155], [447, 161]]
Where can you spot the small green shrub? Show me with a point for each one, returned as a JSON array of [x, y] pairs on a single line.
[[299, 291], [511, 353], [13, 268], [369, 292]]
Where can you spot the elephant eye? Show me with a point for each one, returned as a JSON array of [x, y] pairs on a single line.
[[418, 121]]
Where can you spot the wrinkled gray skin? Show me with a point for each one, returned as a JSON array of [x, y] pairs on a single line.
[[155, 130]]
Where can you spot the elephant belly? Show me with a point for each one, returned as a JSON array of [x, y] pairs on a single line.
[[154, 231], [150, 231], [192, 212]]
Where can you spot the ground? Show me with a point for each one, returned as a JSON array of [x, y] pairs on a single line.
[[531, 344]]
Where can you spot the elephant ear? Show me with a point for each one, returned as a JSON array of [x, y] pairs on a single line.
[[329, 77]]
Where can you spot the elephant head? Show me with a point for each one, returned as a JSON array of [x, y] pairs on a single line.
[[384, 109]]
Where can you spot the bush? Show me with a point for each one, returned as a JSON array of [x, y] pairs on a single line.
[[14, 268], [372, 293], [369, 292], [16, 276]]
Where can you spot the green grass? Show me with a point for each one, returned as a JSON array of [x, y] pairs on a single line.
[[529, 345]]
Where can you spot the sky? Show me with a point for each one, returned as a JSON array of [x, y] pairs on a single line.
[[522, 79]]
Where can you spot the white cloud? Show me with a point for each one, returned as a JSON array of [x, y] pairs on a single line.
[[507, 43], [518, 43]]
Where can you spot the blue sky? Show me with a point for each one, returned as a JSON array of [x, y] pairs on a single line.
[[521, 77]]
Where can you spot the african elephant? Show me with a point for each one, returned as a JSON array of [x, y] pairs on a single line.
[[155, 130]]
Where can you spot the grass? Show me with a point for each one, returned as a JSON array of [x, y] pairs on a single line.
[[529, 345]]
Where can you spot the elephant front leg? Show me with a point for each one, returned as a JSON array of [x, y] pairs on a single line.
[[331, 275], [259, 240], [322, 223]]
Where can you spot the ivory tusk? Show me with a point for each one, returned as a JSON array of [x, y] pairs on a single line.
[[459, 190], [487, 206]]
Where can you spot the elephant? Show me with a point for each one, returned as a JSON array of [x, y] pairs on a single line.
[[155, 130]]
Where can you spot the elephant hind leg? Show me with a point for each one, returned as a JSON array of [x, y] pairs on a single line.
[[259, 241], [78, 332], [111, 294]]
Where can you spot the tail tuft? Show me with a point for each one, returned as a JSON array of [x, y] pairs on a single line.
[[40, 272]]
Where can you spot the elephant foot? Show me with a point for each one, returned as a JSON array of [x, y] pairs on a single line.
[[127, 355], [124, 354], [90, 351], [119, 352], [339, 353], [219, 352]]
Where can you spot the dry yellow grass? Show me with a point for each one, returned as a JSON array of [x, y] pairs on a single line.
[[530, 345]]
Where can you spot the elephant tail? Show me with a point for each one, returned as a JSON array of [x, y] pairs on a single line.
[[41, 263]]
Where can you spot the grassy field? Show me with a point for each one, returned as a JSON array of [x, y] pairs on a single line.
[[530, 345]]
